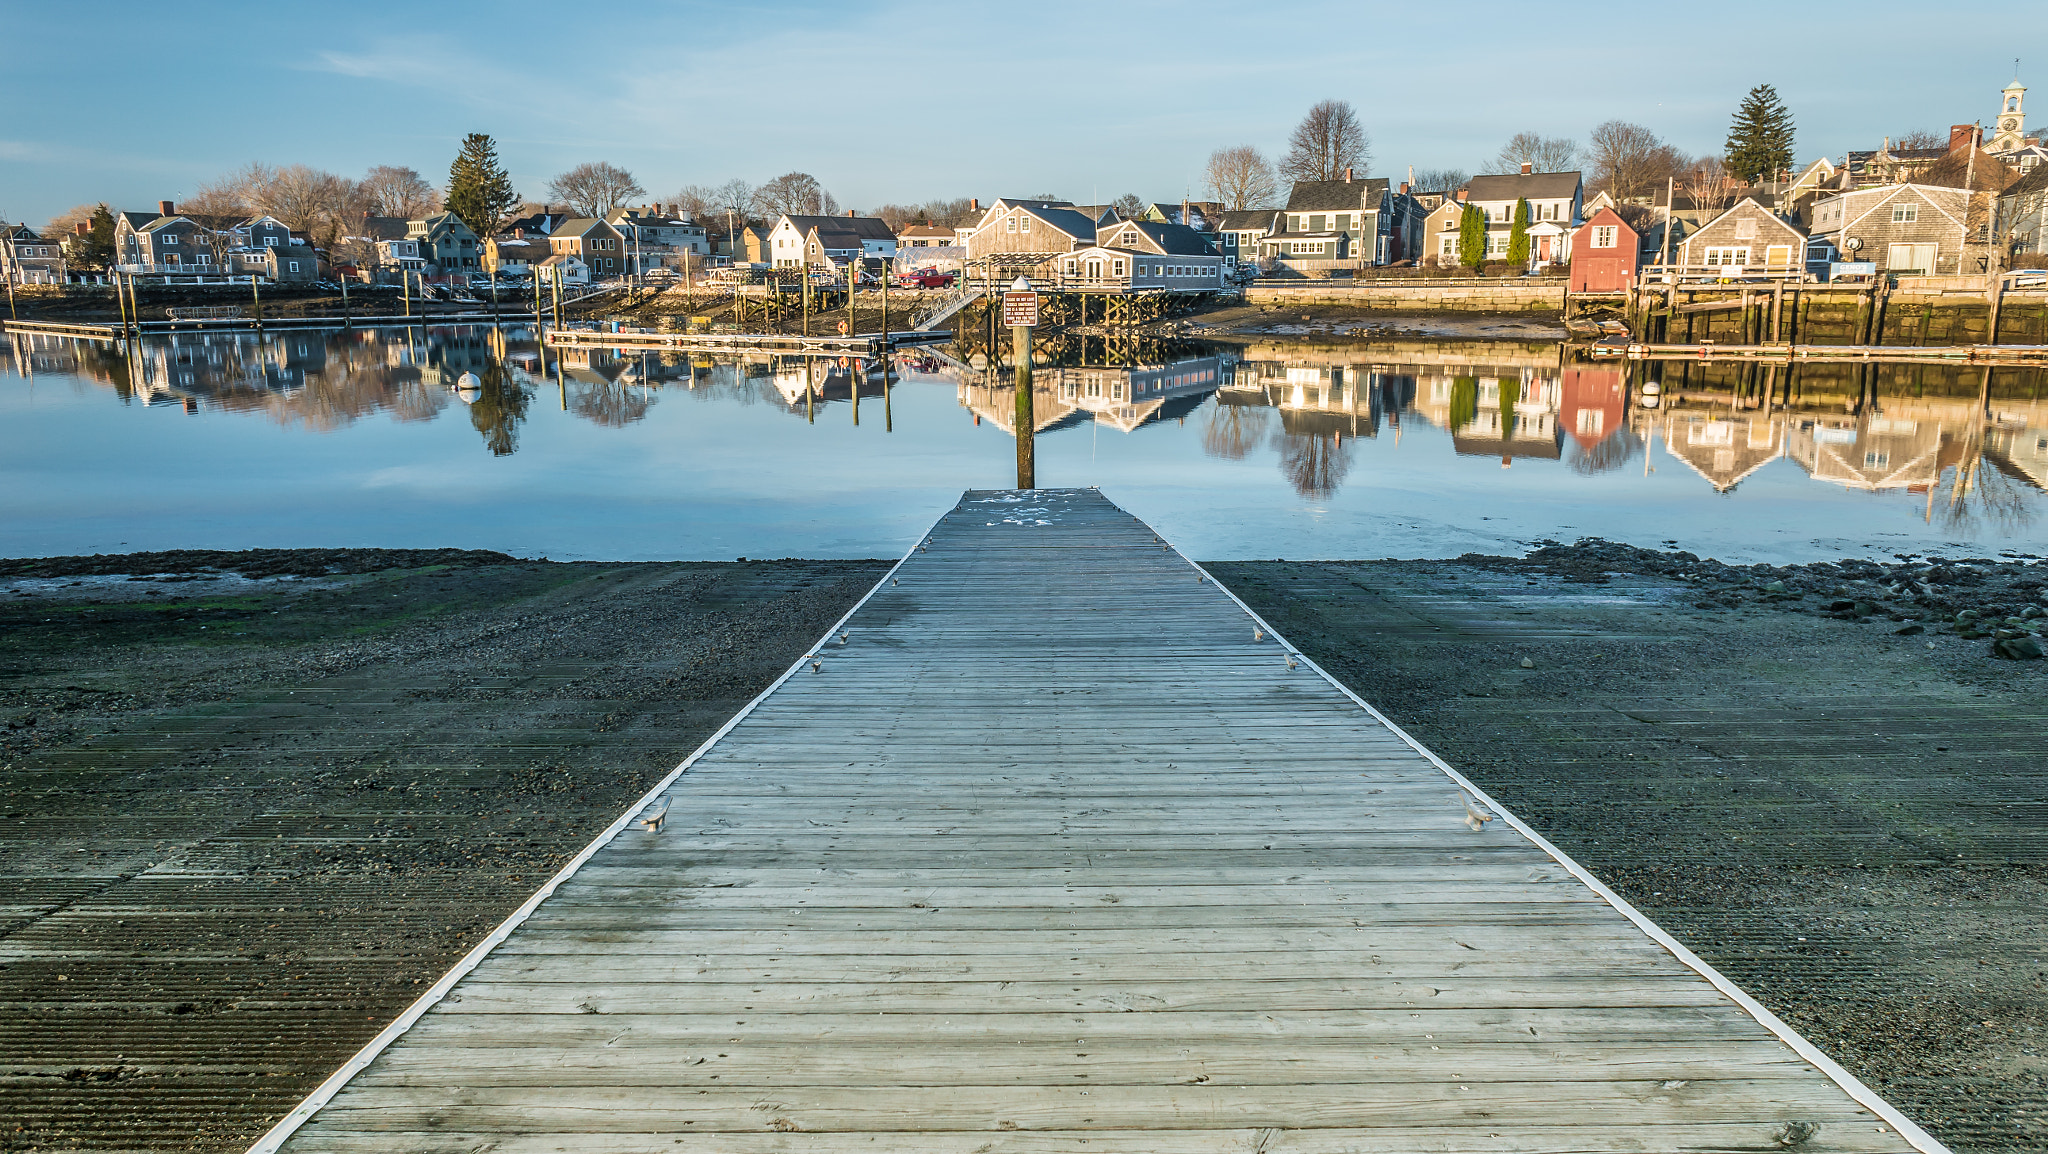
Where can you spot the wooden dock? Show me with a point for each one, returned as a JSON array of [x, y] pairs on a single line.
[[858, 344], [1055, 847], [1782, 353]]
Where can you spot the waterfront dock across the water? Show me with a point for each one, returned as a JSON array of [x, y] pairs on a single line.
[[1052, 845], [863, 344]]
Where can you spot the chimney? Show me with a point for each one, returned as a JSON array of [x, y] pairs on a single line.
[[1347, 174], [1404, 188], [974, 204], [166, 208], [82, 228], [1961, 136], [849, 214], [1526, 167], [1461, 195]]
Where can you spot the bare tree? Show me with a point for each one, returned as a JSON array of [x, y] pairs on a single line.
[[1441, 179], [389, 190], [1241, 177], [1541, 153], [1711, 186], [1233, 431], [1924, 138], [595, 189], [795, 193], [1314, 462], [230, 195], [1629, 161], [1328, 140], [1129, 206], [698, 200]]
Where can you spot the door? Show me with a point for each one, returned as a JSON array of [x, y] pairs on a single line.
[[1094, 270], [1778, 257], [1910, 258]]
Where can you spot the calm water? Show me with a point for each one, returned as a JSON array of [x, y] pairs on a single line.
[[1285, 449]]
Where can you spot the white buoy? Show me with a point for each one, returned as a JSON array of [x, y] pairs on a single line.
[[469, 387]]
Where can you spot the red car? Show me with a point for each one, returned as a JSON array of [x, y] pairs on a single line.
[[926, 279]]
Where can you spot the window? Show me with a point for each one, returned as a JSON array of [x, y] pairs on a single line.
[[295, 265], [1012, 224], [170, 238], [1073, 268], [1905, 213], [1450, 245], [1727, 257], [1603, 236], [1116, 268], [1745, 229], [270, 242], [1024, 225], [1876, 460]]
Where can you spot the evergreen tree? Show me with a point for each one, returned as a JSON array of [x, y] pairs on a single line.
[[479, 192], [1471, 237], [1518, 235], [1760, 139], [97, 251]]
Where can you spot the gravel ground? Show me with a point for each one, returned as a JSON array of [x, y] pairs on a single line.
[[255, 802], [249, 808]]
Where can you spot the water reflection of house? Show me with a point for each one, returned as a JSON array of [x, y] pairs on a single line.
[[2021, 451], [1339, 400], [1510, 416], [1124, 397], [1724, 449], [1870, 452]]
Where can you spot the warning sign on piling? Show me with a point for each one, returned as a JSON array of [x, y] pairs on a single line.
[[1020, 309]]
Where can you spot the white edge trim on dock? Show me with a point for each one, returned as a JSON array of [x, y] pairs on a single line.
[[1850, 1084], [275, 1137]]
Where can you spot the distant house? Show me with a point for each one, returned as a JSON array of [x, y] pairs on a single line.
[[1200, 215], [2020, 221], [542, 223], [291, 262], [1746, 238], [1146, 254], [1903, 228], [1553, 197], [164, 242], [1343, 219], [752, 246], [797, 241], [1026, 234], [924, 236], [567, 266], [600, 247], [1241, 236], [1604, 255], [402, 254], [447, 244], [658, 237], [506, 256], [26, 258], [1440, 230]]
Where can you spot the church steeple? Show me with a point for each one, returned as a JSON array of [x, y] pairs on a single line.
[[2009, 131]]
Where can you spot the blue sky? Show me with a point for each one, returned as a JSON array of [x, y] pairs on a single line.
[[909, 101]]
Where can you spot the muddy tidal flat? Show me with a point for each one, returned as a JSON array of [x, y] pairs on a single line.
[[254, 802]]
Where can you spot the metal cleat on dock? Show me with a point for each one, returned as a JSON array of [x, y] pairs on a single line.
[[651, 822]]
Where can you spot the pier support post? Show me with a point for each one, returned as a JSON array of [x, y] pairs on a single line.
[[1020, 352]]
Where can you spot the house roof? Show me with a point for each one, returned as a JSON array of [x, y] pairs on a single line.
[[1246, 220], [581, 226], [1761, 213], [865, 227], [1337, 195], [1523, 186], [1172, 239], [137, 219], [926, 230], [384, 227], [837, 238], [2033, 183]]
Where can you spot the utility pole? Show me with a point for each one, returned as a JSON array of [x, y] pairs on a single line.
[[1664, 246], [853, 271]]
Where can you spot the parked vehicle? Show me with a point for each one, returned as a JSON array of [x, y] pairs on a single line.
[[925, 278]]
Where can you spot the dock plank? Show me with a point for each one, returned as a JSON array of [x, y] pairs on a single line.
[[1053, 850]]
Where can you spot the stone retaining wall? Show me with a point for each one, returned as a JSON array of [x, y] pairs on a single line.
[[1417, 297]]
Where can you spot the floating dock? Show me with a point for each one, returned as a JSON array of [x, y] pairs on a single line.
[[1910, 354], [1053, 845], [869, 344]]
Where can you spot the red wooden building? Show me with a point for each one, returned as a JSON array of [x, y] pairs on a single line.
[[1604, 254]]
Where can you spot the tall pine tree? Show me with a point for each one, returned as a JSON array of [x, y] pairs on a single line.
[[479, 192], [1760, 139]]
